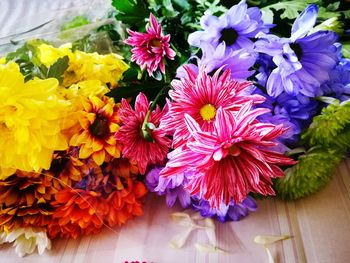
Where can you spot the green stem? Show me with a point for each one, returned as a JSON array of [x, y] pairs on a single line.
[[144, 127], [178, 53]]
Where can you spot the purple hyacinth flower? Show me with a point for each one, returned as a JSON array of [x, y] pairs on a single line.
[[230, 212], [171, 187], [302, 62], [236, 28]]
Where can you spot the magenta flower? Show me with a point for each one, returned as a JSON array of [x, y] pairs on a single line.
[[129, 135], [232, 160], [149, 49], [200, 97]]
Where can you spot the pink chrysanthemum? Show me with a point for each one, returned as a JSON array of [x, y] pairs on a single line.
[[232, 160], [200, 97], [134, 145], [149, 49]]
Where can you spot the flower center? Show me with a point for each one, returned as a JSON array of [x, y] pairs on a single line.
[[99, 127], [297, 50], [155, 43], [207, 112], [58, 164], [234, 150], [229, 35]]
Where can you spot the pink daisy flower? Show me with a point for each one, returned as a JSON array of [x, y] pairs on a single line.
[[149, 49], [134, 145], [200, 97], [232, 160]]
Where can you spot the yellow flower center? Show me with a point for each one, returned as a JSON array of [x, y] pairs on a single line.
[[207, 112], [155, 43]]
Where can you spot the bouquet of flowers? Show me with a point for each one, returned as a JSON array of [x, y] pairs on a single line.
[[209, 103]]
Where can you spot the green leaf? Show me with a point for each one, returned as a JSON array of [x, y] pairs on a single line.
[[58, 68], [346, 14], [183, 4], [27, 58], [346, 50], [324, 13], [334, 6], [291, 9], [169, 11], [75, 22], [131, 12]]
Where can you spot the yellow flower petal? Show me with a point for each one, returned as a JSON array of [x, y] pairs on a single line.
[[99, 157], [85, 152]]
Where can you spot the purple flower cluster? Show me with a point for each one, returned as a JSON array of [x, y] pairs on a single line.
[[230, 212], [171, 187], [295, 71], [173, 190]]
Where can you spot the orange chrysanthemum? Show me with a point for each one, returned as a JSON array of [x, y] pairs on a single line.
[[100, 198], [80, 212], [125, 204], [99, 122], [25, 200]]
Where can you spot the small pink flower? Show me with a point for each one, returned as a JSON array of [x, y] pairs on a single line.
[[149, 49], [200, 96], [134, 145], [231, 161]]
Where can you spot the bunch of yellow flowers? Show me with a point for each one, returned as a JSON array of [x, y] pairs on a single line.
[[35, 115], [84, 66]]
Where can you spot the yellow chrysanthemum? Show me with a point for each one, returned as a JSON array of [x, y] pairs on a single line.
[[85, 66], [48, 54], [85, 89], [31, 116], [2, 61]]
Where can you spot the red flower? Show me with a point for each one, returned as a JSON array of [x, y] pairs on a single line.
[[149, 49], [200, 97], [134, 145], [232, 160]]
